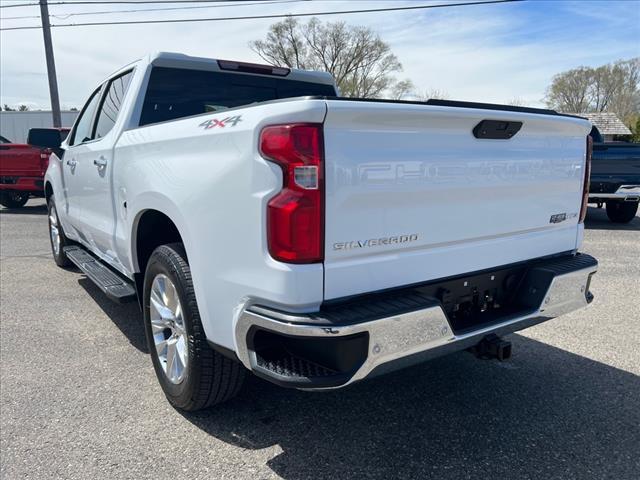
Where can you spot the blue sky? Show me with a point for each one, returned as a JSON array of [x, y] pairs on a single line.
[[490, 53]]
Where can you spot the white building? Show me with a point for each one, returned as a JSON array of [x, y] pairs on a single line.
[[15, 125]]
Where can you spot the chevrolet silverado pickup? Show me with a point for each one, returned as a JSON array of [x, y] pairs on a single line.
[[22, 166], [266, 224], [615, 177]]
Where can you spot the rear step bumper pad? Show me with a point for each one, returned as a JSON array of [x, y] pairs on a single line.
[[113, 285], [401, 340]]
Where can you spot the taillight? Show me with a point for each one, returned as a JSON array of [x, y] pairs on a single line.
[[44, 160], [295, 215], [587, 175]]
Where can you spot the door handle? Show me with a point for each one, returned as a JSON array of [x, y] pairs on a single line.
[[72, 163], [100, 162]]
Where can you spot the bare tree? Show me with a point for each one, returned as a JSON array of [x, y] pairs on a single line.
[[23, 108], [613, 88], [569, 91], [433, 93], [626, 101], [516, 102], [361, 63], [402, 89]]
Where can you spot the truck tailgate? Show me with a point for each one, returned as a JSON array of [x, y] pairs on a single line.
[[20, 160], [412, 195]]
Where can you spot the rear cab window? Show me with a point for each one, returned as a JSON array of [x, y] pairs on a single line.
[[175, 93]]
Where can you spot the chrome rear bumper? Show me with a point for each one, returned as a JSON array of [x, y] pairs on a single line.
[[628, 193], [400, 340]]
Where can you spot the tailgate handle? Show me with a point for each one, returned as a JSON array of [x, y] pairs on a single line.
[[496, 129]]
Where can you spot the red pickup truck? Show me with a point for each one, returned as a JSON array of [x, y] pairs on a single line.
[[23, 165]]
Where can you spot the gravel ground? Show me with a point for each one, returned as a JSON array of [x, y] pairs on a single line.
[[79, 398]]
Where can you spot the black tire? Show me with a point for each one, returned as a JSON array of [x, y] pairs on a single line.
[[59, 257], [210, 378], [14, 199], [621, 212]]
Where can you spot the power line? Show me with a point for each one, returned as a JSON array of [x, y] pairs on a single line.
[[242, 4], [20, 5], [115, 2], [257, 17]]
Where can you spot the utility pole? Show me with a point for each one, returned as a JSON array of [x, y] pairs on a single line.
[[51, 64]]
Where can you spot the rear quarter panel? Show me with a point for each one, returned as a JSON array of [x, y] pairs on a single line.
[[214, 185]]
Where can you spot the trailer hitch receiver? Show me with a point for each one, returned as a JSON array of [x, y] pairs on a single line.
[[491, 347]]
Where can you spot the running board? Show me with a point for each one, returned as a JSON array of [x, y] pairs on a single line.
[[113, 285]]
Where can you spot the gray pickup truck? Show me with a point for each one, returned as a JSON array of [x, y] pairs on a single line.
[[615, 177]]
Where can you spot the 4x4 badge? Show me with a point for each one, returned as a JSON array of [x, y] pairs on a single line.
[[214, 122]]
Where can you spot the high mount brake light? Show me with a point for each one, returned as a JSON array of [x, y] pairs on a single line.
[[295, 228], [253, 68], [586, 182]]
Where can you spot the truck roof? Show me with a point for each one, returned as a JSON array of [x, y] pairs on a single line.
[[180, 60]]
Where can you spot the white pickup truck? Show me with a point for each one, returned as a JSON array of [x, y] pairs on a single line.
[[266, 224]]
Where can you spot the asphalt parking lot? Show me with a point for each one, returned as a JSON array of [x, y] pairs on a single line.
[[79, 399]]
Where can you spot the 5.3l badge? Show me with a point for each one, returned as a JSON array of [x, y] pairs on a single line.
[[561, 217]]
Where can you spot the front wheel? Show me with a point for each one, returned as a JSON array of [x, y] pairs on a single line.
[[192, 375], [56, 235], [621, 212], [14, 199]]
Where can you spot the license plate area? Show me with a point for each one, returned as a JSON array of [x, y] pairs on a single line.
[[481, 299]]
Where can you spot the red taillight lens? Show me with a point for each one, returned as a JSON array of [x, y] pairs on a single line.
[[44, 160], [586, 183], [295, 215]]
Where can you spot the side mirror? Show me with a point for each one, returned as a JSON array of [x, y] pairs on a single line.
[[44, 138]]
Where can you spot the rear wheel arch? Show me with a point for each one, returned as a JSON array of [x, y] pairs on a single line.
[[151, 229]]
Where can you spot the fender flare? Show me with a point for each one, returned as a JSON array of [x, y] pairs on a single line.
[[160, 203]]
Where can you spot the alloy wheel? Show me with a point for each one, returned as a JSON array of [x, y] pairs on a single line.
[[168, 328]]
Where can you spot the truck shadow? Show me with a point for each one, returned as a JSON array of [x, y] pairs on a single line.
[[127, 317], [546, 414], [33, 207], [597, 220]]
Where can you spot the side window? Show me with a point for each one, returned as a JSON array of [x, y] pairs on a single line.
[[82, 130], [111, 103]]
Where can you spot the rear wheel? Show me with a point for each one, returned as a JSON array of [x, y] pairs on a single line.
[[192, 375], [56, 235], [621, 212], [14, 199]]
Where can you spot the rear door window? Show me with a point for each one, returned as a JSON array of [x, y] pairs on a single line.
[[111, 103], [177, 92]]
